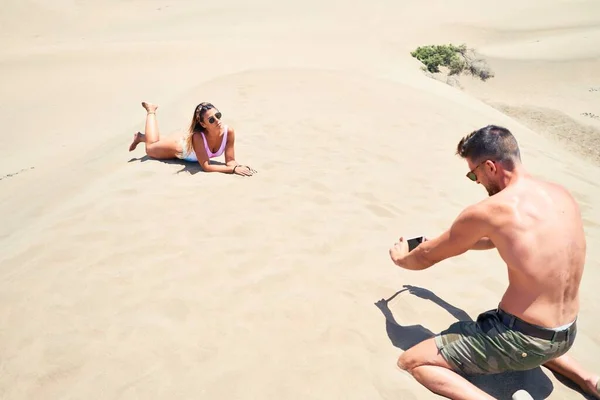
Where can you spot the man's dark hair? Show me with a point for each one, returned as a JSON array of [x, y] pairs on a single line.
[[491, 142]]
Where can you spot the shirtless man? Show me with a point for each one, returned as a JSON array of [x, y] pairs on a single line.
[[537, 229]]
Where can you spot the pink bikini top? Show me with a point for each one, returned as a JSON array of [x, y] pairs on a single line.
[[221, 149]]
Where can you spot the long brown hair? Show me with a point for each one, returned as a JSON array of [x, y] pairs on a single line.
[[195, 126]]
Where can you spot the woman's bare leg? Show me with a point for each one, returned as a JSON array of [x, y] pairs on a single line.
[[569, 368], [151, 130], [155, 147]]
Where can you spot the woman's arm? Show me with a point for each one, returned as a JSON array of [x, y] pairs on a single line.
[[230, 156], [204, 161], [230, 148]]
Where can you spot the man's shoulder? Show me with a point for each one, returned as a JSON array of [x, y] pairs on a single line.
[[480, 211], [559, 189], [489, 212], [551, 189], [490, 204], [539, 181]]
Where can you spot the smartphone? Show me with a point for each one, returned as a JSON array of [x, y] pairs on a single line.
[[414, 242]]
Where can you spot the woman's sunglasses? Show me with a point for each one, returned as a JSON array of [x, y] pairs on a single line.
[[212, 119]]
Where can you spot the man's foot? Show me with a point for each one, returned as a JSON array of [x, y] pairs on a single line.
[[137, 139], [151, 108], [594, 387], [521, 395]]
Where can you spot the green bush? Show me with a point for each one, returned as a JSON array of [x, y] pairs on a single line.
[[445, 55], [457, 59]]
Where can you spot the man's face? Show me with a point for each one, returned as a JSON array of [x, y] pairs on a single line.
[[485, 174]]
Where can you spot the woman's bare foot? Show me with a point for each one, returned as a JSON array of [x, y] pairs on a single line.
[[151, 108], [138, 138]]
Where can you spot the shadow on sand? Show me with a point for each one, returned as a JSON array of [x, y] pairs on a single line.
[[499, 386], [190, 167]]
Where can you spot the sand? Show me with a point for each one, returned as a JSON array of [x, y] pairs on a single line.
[[123, 277]]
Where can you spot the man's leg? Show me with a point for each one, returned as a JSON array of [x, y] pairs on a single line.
[[569, 368], [424, 362]]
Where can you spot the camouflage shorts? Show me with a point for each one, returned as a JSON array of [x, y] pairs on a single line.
[[488, 346]]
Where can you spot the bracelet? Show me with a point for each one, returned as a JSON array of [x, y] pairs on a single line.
[[233, 172]]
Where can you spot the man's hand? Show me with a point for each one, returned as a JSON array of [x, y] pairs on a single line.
[[398, 251], [421, 292], [412, 260]]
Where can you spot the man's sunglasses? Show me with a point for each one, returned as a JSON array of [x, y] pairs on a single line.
[[471, 174], [212, 119]]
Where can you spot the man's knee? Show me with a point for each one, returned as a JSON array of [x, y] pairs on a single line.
[[402, 362], [424, 353], [410, 360]]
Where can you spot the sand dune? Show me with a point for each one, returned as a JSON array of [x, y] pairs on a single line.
[[125, 277]]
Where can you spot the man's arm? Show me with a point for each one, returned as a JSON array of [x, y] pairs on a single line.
[[466, 232], [484, 243]]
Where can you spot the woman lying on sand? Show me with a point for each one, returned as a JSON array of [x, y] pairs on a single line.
[[207, 138]]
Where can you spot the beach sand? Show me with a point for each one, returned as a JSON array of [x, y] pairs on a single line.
[[123, 277]]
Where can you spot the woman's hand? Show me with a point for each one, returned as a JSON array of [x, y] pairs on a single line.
[[243, 170]]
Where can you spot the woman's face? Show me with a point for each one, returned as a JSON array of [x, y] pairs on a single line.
[[212, 118]]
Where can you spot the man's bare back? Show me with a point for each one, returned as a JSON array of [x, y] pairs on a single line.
[[537, 229]]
